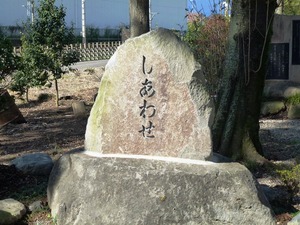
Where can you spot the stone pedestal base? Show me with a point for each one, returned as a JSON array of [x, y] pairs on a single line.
[[85, 188]]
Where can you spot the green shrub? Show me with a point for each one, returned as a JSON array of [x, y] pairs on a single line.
[[294, 99], [291, 178], [207, 37], [8, 61]]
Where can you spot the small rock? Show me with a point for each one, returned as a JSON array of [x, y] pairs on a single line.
[[35, 206], [79, 109], [294, 112], [270, 108], [11, 211], [290, 91], [34, 164]]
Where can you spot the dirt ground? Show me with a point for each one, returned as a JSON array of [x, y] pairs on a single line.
[[50, 129], [55, 130]]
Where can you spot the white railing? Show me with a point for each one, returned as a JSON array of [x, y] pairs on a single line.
[[90, 51]]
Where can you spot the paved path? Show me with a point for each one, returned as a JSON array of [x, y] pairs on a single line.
[[89, 64]]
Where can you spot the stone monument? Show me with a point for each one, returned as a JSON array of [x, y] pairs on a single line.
[[146, 139], [152, 101]]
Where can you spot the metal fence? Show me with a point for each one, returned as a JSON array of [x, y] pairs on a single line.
[[90, 51]]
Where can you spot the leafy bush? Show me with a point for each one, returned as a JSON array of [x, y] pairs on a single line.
[[294, 99], [291, 7], [291, 178], [207, 37], [29, 74], [8, 61]]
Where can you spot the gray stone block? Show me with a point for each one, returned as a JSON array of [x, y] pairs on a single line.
[[92, 188]]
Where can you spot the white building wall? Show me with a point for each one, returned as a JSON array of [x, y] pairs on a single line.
[[282, 33], [101, 13]]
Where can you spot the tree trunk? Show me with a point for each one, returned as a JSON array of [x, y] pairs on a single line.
[[27, 94], [139, 17], [57, 94], [236, 125]]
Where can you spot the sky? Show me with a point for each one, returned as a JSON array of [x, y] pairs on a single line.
[[205, 6]]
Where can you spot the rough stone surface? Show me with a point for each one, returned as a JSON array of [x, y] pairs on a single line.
[[11, 211], [93, 188], [294, 111], [152, 101], [34, 164], [272, 107]]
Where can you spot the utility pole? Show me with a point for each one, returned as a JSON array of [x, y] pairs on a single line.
[[32, 11], [83, 23]]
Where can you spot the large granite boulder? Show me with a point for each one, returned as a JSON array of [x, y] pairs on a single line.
[[92, 188], [152, 100]]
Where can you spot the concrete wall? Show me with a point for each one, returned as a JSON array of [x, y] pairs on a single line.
[[101, 13], [283, 33]]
